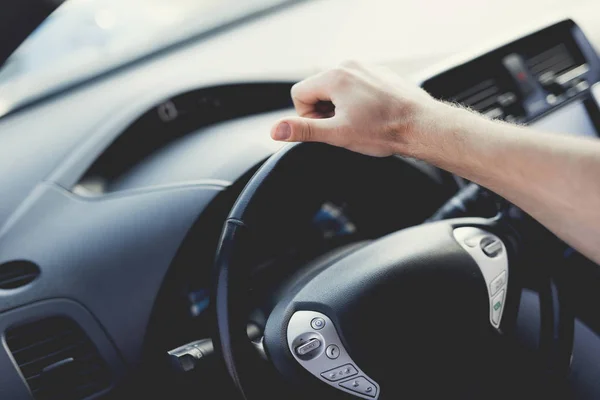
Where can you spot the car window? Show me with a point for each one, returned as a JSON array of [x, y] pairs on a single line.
[[83, 38]]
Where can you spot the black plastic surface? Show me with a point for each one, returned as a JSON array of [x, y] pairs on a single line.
[[585, 368], [489, 71], [221, 152], [416, 271], [109, 253], [176, 117], [12, 385], [17, 273], [58, 359], [412, 304], [231, 309]]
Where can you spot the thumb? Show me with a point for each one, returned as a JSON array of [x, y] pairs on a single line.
[[298, 129]]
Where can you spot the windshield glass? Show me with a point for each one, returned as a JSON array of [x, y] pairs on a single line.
[[83, 38]]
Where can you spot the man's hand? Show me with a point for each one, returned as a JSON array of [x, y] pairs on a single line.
[[369, 110], [372, 111]]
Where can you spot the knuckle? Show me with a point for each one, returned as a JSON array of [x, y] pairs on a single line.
[[352, 64], [342, 76], [305, 132], [338, 71], [295, 90]]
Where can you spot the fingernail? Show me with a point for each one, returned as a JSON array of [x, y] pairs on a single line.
[[283, 131]]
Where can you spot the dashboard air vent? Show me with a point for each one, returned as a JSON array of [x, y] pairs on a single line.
[[17, 273], [555, 60], [482, 97], [57, 359]]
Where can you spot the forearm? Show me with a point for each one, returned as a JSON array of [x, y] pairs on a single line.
[[554, 178], [371, 110]]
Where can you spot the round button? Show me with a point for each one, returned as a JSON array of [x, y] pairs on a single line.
[[332, 351], [473, 241], [317, 323]]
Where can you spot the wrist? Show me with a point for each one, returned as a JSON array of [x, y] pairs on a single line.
[[435, 128]]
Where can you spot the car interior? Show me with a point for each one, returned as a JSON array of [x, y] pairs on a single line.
[[156, 243]]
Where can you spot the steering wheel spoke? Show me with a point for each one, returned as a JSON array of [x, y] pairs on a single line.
[[314, 342], [490, 254]]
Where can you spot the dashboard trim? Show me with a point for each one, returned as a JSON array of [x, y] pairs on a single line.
[[10, 377], [68, 172]]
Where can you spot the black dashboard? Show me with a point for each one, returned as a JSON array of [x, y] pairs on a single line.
[[176, 130], [525, 80], [148, 188]]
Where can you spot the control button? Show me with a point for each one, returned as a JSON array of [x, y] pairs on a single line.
[[491, 246], [494, 113], [549, 83], [572, 75], [167, 111], [497, 305], [360, 385], [551, 99], [516, 67], [506, 99], [338, 373], [515, 119], [497, 283], [473, 241], [317, 323], [332, 351], [305, 348], [582, 86]]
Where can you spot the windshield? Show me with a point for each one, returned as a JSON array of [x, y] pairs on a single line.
[[83, 38]]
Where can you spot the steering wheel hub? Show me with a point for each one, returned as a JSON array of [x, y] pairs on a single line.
[[417, 300], [420, 306]]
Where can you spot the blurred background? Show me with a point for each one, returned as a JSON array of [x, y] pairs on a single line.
[[83, 38]]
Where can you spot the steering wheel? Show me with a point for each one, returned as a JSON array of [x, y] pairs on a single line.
[[419, 312]]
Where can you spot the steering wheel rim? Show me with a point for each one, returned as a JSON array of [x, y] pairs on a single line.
[[230, 298]]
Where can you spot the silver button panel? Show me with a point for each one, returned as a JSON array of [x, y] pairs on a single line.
[[361, 385], [490, 255], [329, 362], [339, 373]]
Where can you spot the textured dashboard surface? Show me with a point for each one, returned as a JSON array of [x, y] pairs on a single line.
[[221, 152], [73, 240]]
